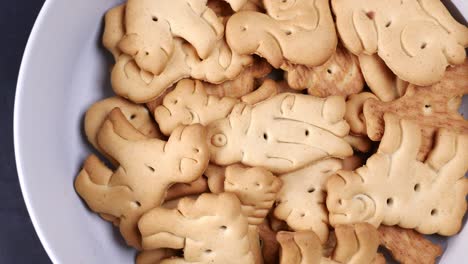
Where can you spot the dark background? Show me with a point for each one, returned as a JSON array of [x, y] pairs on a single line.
[[18, 240]]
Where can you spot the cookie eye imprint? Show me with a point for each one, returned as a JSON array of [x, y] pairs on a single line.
[[219, 140]]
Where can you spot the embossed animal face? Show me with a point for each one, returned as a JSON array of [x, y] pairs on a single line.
[[189, 104], [281, 134]]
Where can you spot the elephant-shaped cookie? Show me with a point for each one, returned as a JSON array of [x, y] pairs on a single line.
[[147, 168], [295, 31], [417, 39], [282, 134]]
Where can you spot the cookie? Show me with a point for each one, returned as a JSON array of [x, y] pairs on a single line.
[[354, 112], [339, 75], [431, 107], [257, 190], [417, 40], [301, 200], [154, 256], [197, 227], [114, 30], [408, 246], [245, 83], [179, 190], [148, 167], [129, 81], [395, 188], [356, 244], [215, 175], [281, 134], [137, 115], [270, 246], [152, 26], [299, 32], [189, 104], [380, 79]]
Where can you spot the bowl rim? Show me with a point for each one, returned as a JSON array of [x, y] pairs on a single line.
[[16, 122]]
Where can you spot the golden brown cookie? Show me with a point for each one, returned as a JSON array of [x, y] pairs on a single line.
[[147, 168], [340, 75], [152, 26], [417, 39], [408, 246], [137, 115], [245, 83], [431, 107], [395, 188], [197, 227], [299, 32], [301, 200]]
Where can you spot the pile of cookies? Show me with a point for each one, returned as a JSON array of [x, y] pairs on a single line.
[[281, 131]]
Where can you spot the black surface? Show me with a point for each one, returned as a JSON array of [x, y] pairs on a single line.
[[18, 240]]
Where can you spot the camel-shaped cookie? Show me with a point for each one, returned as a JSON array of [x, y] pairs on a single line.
[[281, 134], [300, 201], [356, 244], [210, 229], [395, 188], [148, 167], [151, 27], [417, 39], [295, 31]]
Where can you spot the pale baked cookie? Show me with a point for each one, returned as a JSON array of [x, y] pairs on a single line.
[[354, 112], [340, 75], [299, 32], [417, 39], [137, 115], [189, 104], [179, 190], [408, 246], [114, 30], [380, 79], [257, 190], [395, 188], [148, 167], [282, 134], [301, 200], [215, 175], [356, 244], [151, 27], [431, 107], [210, 229], [154, 256], [129, 81]]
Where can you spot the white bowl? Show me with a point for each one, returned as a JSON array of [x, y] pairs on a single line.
[[64, 71]]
